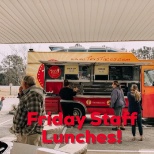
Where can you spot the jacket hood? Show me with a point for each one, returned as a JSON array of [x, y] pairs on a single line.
[[37, 90]]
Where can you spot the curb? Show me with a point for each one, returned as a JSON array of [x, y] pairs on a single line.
[[10, 96], [120, 151]]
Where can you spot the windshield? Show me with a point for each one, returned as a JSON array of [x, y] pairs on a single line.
[[149, 77]]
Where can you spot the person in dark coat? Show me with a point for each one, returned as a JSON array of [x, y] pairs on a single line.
[[66, 94], [117, 102], [134, 99]]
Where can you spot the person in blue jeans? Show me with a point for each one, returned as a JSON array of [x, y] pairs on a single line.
[[134, 99]]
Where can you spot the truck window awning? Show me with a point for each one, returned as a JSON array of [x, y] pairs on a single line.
[[96, 63]]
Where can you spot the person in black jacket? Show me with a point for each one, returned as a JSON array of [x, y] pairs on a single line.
[[66, 94], [134, 99]]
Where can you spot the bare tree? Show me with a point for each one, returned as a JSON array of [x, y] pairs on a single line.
[[13, 65], [20, 51], [14, 69], [145, 53]]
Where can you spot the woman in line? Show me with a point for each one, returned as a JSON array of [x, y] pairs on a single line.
[[134, 98], [117, 102]]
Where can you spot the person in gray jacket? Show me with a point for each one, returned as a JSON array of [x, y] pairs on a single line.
[[117, 102]]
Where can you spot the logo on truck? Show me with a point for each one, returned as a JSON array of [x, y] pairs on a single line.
[[88, 102], [54, 72]]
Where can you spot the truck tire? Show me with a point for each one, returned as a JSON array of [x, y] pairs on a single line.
[[78, 110]]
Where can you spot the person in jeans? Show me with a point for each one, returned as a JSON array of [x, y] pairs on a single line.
[[32, 100], [134, 99], [66, 94], [117, 102]]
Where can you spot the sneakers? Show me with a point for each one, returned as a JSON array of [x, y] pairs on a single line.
[[141, 139], [121, 128], [133, 139], [115, 129]]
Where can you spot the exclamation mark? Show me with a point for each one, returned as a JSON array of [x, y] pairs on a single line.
[[119, 136]]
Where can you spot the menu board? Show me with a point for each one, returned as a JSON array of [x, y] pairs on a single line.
[[101, 70], [71, 69], [121, 73]]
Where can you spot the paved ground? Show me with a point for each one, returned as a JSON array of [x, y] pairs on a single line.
[[127, 145]]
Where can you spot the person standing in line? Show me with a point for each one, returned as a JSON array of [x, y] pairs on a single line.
[[32, 100], [1, 103], [117, 102], [66, 94], [134, 99]]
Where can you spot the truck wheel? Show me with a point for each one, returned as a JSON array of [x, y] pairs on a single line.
[[78, 111]]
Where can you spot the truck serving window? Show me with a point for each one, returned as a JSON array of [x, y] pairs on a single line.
[[71, 76], [129, 73], [76, 72], [101, 77], [84, 72]]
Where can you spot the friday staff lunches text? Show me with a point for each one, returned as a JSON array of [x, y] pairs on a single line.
[[96, 120]]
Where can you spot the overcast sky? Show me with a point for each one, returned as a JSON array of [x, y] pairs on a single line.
[[6, 49]]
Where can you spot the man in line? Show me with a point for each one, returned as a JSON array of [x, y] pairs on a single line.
[[31, 100], [66, 94]]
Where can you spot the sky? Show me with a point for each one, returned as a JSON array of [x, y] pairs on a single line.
[[7, 49]]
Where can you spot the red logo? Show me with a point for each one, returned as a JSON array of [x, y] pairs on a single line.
[[54, 72], [40, 75]]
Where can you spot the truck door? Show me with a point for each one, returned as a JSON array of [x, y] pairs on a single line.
[[147, 77]]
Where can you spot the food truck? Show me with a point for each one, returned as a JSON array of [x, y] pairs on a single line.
[[93, 73]]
